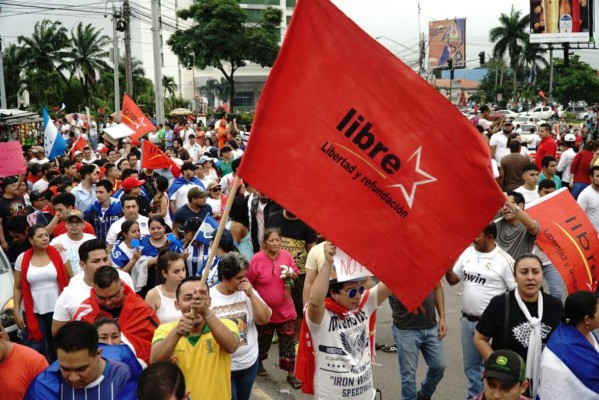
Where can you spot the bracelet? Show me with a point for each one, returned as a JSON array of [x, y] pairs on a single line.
[[208, 317]]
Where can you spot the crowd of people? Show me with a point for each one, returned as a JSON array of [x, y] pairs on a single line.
[[108, 258]]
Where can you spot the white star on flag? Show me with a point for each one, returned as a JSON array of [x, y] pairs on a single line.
[[409, 196]]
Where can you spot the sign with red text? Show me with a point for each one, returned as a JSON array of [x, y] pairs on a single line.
[[348, 268]]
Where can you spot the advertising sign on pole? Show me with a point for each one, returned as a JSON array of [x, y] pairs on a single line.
[[561, 21], [447, 41]]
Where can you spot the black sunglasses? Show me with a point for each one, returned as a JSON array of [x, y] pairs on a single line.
[[354, 291]]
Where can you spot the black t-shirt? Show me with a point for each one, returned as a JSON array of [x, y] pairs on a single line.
[[115, 312], [296, 235], [184, 213], [491, 323], [423, 317], [10, 208]]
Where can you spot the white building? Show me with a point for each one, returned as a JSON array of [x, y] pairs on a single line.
[[249, 81]]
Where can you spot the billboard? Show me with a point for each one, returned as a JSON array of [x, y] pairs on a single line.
[[447, 40], [561, 21]]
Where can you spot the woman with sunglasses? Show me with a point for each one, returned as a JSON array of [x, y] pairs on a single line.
[[41, 274], [338, 317], [264, 273], [216, 200]]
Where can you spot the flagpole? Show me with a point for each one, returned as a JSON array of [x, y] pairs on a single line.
[[221, 228]]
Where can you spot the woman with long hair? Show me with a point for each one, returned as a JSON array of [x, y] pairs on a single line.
[[124, 255], [570, 362], [41, 274], [156, 242], [234, 298], [271, 272], [170, 270], [159, 204]]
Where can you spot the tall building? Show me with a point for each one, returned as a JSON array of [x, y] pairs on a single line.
[[249, 80]]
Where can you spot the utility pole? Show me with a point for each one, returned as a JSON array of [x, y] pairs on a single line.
[[158, 93], [2, 88], [128, 64], [550, 71], [116, 15]]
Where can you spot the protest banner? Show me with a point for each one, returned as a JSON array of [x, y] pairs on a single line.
[[568, 238], [12, 161], [388, 193], [348, 268]]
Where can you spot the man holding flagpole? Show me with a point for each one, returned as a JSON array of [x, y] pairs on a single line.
[[335, 331]]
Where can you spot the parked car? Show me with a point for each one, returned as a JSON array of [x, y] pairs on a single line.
[[7, 305], [507, 113], [578, 110], [541, 112]]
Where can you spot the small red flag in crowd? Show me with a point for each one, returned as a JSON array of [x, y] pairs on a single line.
[[389, 170], [568, 238], [79, 144], [154, 158]]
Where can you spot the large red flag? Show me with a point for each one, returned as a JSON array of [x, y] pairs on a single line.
[[134, 118], [568, 238], [387, 169], [79, 144], [154, 158]]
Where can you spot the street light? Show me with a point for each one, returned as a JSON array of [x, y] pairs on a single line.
[[116, 19]]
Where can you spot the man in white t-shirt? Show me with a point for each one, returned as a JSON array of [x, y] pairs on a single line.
[[194, 149], [498, 142], [92, 255], [39, 156], [68, 243], [130, 213], [487, 271], [588, 199], [343, 324], [530, 174], [178, 191]]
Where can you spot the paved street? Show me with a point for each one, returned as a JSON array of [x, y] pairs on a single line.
[[386, 372]]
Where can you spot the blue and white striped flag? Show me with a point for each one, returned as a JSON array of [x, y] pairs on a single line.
[[204, 234], [54, 144]]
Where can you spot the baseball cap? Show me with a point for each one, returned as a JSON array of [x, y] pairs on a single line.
[[191, 225], [196, 192], [37, 149], [188, 166], [569, 138], [226, 240], [213, 184], [75, 214], [205, 159], [132, 182], [506, 366], [103, 150], [77, 152]]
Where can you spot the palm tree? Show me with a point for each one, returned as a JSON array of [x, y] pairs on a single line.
[[88, 55], [509, 38], [46, 49], [214, 89], [169, 86], [532, 59]]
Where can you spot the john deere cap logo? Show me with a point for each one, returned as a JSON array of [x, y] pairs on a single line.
[[502, 360]]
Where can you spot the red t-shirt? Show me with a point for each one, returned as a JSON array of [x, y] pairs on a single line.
[[547, 147], [19, 369]]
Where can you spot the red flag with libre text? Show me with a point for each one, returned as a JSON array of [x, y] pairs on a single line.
[[154, 158], [134, 118], [386, 168], [568, 238]]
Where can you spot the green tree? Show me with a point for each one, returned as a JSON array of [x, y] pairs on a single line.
[[88, 56], [46, 49], [213, 89], [223, 39], [44, 87], [578, 82], [532, 59], [169, 86], [12, 70], [509, 38]]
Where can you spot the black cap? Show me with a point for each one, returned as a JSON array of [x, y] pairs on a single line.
[[226, 240], [191, 225], [186, 166], [506, 366]]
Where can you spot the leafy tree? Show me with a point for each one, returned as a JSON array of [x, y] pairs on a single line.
[[509, 38], [532, 59], [12, 70], [223, 39], [575, 83], [44, 87], [169, 86], [46, 49], [88, 55]]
